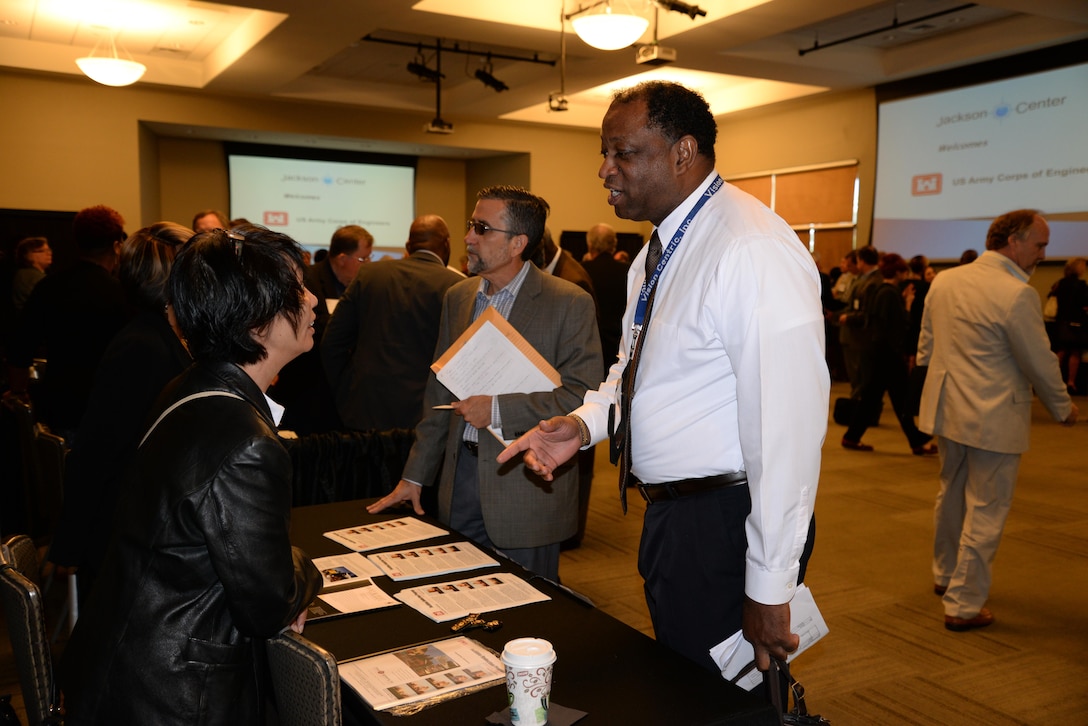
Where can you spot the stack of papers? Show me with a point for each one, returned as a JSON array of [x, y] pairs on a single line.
[[491, 358]]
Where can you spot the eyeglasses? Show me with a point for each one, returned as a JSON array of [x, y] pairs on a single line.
[[238, 240], [482, 228]]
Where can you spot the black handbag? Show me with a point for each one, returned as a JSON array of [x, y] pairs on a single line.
[[779, 684]]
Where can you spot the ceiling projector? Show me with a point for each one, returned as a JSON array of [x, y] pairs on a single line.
[[653, 54]]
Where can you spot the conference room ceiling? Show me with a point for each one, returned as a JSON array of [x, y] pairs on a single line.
[[743, 54]]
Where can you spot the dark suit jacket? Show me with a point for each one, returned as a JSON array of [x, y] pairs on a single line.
[[519, 509], [379, 344], [610, 282], [321, 281], [74, 315], [570, 269]]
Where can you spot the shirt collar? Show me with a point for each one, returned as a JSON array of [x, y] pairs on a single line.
[[511, 288], [275, 409], [671, 223], [428, 252], [550, 267], [1014, 269]]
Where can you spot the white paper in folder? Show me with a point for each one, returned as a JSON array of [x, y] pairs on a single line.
[[491, 358]]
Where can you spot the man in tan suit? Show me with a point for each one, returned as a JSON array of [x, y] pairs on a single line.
[[984, 342]]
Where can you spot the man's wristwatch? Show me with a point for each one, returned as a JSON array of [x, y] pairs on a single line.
[[583, 430]]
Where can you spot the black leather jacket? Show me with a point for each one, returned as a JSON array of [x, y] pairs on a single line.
[[200, 569]]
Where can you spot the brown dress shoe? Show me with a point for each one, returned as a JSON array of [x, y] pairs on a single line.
[[855, 445], [930, 450], [984, 618]]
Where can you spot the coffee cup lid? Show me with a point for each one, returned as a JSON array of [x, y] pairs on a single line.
[[528, 652]]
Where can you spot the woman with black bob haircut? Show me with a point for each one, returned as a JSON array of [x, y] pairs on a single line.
[[200, 570]]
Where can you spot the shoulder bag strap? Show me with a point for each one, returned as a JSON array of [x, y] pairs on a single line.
[[193, 397]]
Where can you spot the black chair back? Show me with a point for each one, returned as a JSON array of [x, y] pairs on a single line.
[[26, 627], [305, 681]]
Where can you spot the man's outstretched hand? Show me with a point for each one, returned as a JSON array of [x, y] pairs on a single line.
[[549, 445]]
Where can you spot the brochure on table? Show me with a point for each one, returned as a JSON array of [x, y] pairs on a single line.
[[427, 561], [431, 671], [474, 594], [388, 533]]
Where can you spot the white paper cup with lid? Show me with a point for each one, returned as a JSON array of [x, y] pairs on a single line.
[[529, 663]]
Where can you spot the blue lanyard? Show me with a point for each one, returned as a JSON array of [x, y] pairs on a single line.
[[649, 284]]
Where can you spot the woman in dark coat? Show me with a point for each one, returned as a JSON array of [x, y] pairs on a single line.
[[201, 570], [142, 358]]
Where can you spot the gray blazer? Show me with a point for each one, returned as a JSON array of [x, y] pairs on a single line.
[[519, 509], [984, 341]]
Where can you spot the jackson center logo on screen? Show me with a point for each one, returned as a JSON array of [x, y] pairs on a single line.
[[923, 184], [275, 219]]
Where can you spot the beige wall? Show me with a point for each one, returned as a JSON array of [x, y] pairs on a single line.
[[81, 144], [816, 130]]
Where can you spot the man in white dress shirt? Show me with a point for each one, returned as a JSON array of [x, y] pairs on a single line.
[[730, 408]]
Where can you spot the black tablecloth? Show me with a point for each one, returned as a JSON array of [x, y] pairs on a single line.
[[605, 668]]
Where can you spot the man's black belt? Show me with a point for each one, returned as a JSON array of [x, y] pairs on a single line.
[[472, 446], [686, 487]]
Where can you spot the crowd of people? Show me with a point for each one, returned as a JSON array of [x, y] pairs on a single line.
[[176, 354]]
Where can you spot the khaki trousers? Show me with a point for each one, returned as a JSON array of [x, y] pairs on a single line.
[[973, 503]]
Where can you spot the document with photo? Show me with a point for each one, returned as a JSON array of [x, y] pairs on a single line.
[[433, 560], [423, 672], [347, 587], [343, 571], [387, 533], [475, 594]]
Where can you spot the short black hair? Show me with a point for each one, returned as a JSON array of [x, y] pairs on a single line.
[[526, 213], [869, 255], [675, 111], [226, 285]]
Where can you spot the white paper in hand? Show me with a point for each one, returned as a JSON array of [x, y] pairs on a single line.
[[734, 653]]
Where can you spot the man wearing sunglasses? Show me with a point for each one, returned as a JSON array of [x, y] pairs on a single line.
[[508, 508]]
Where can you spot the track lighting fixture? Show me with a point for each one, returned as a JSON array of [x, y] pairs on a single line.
[[692, 11], [483, 75], [424, 73]]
